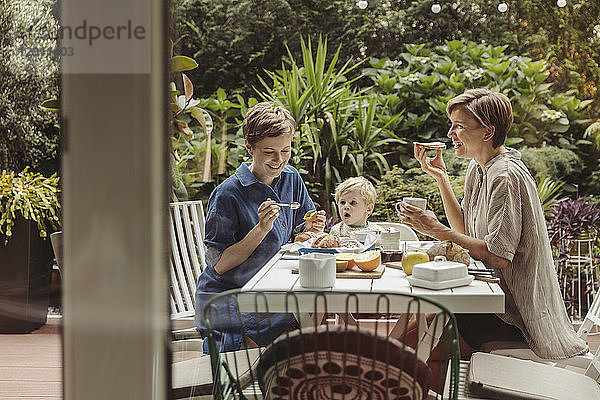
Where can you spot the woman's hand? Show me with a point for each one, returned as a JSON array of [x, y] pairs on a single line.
[[423, 221], [433, 166], [316, 224], [268, 211]]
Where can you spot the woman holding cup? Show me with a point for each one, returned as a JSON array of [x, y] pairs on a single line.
[[501, 222]]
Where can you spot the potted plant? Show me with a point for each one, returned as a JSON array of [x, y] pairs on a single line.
[[571, 221], [29, 211]]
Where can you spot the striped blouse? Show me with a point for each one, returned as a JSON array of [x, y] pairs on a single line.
[[501, 206]]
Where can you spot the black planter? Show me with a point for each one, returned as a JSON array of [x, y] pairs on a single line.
[[25, 272]]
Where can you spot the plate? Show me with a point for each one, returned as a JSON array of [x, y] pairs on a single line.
[[452, 283], [297, 248]]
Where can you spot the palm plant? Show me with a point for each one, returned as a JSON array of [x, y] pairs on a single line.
[[550, 192], [336, 138]]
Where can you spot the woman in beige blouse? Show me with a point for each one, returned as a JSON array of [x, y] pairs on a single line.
[[501, 222]]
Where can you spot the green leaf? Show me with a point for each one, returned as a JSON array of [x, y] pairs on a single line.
[[52, 105], [182, 63]]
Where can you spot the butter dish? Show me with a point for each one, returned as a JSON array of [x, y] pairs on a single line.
[[440, 274]]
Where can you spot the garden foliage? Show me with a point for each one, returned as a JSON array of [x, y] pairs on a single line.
[[28, 75], [30, 196], [235, 39], [399, 183], [361, 119]]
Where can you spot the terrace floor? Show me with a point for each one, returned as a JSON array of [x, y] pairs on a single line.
[[31, 364]]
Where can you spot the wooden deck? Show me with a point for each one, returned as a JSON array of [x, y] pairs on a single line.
[[31, 364]]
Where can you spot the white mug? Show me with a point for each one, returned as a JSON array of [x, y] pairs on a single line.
[[317, 270], [413, 201]]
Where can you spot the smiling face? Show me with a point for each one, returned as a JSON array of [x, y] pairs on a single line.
[[269, 156], [353, 208], [469, 137]]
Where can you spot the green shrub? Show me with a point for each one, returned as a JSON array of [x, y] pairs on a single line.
[[551, 161], [399, 183], [28, 76], [31, 196], [425, 77]]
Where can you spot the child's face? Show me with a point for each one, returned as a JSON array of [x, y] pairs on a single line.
[[353, 209]]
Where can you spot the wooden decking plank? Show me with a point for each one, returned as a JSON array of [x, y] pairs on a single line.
[[44, 374], [30, 389]]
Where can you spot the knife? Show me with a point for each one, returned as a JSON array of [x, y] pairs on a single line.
[[487, 279]]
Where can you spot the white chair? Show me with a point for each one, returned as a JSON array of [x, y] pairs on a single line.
[[522, 351], [187, 255], [492, 376], [187, 260], [405, 232], [191, 378]]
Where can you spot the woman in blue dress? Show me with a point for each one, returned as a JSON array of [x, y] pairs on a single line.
[[245, 227]]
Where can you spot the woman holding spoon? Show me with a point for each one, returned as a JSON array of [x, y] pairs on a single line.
[[249, 217]]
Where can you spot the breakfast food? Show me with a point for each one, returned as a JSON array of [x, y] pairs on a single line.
[[327, 241], [351, 244], [348, 257], [341, 265], [310, 215], [411, 258], [368, 261], [432, 145], [452, 252], [304, 236]]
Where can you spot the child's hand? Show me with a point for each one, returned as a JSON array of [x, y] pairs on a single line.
[[316, 223], [268, 211]]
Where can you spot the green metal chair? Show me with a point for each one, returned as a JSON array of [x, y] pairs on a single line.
[[324, 360]]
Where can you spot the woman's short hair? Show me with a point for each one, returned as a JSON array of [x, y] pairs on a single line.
[[267, 120], [366, 188], [489, 109]]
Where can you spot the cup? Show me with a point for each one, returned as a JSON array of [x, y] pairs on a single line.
[[361, 235], [390, 238], [317, 270], [413, 201]]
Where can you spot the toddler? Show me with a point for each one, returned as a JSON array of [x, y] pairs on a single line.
[[355, 199]]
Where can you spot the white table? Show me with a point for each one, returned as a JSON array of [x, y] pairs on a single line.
[[276, 278]]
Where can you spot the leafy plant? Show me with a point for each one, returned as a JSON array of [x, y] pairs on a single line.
[[424, 78], [593, 132], [568, 220], [31, 196], [191, 128], [29, 71], [550, 192], [399, 183], [339, 132], [553, 161]]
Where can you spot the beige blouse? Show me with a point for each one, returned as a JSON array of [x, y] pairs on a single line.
[[501, 205]]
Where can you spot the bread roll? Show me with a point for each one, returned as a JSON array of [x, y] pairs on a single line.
[[458, 254], [304, 236], [452, 252], [432, 145], [327, 241]]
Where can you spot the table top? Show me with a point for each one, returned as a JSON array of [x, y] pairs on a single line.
[[276, 278]]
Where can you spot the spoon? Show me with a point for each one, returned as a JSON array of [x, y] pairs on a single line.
[[293, 206]]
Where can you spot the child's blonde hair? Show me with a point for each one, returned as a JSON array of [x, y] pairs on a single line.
[[367, 190]]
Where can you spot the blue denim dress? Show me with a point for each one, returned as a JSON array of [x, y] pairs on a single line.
[[231, 214]]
